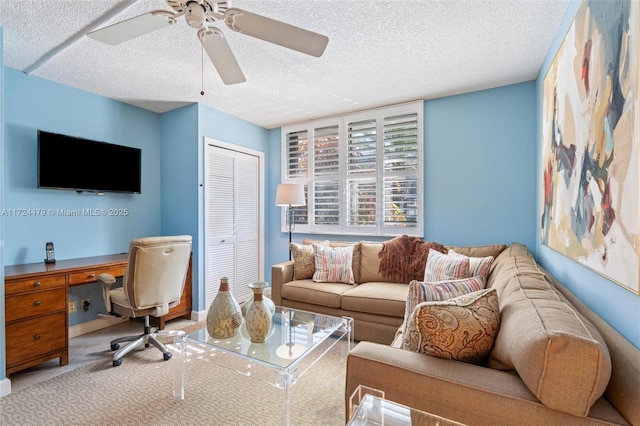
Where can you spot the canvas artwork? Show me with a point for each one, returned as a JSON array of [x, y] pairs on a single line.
[[590, 143]]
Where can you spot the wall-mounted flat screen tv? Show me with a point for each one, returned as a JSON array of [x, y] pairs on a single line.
[[67, 162]]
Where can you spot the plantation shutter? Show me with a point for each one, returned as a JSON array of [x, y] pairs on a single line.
[[297, 155], [400, 166], [362, 172], [326, 183]]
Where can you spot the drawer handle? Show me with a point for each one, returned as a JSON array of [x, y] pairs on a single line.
[[36, 337], [92, 275], [37, 284], [37, 303]]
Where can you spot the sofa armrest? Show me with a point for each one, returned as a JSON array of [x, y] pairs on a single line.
[[459, 391], [280, 273]]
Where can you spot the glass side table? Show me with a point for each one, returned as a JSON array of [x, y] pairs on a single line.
[[368, 407]]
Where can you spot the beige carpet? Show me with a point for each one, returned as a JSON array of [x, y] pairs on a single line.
[[139, 392]]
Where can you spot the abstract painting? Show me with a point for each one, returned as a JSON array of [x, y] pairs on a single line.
[[590, 128]]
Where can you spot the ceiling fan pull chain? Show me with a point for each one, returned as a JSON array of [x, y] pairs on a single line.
[[202, 69]]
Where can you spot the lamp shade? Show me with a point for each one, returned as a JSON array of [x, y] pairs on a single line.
[[290, 194]]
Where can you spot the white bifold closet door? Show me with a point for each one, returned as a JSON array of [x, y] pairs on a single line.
[[232, 234]]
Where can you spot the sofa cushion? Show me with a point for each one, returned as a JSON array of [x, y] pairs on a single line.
[[560, 356], [463, 328], [516, 259], [370, 262], [442, 267], [479, 251], [304, 260], [333, 264], [308, 291], [376, 298]]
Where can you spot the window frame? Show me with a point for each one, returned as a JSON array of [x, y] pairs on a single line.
[[342, 122]]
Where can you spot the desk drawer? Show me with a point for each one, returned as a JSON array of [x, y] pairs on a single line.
[[20, 286], [28, 339], [34, 304], [91, 275]]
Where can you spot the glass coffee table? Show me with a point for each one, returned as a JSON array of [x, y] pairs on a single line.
[[296, 341]]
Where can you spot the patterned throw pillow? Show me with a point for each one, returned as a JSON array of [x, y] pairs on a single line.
[[333, 264], [304, 261], [440, 290], [462, 329], [441, 267], [477, 265]]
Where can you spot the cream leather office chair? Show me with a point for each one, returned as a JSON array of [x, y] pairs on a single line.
[[153, 283]]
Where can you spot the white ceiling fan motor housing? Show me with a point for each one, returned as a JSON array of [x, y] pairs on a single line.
[[195, 15]]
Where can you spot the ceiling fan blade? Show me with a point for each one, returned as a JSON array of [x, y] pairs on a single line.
[[276, 32], [221, 56], [133, 27]]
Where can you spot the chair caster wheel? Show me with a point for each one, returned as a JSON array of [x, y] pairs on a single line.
[[117, 363], [115, 346], [166, 356]]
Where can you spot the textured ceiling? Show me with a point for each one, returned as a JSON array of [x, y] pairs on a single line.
[[379, 53]]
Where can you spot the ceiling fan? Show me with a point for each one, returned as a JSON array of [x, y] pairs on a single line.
[[201, 14]]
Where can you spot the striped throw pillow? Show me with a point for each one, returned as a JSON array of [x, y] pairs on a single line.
[[333, 264], [442, 267], [437, 291], [477, 265]]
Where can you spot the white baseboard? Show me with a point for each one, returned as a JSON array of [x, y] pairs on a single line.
[[5, 387], [198, 315], [93, 325]]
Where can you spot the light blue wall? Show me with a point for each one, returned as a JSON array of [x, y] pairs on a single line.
[[3, 369], [277, 242], [479, 174], [619, 307], [35, 104], [183, 133], [179, 177], [41, 104]]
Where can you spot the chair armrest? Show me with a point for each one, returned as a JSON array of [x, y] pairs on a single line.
[[459, 391], [106, 280], [280, 273]]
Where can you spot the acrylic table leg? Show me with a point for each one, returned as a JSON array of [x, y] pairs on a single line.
[[179, 366], [285, 384], [348, 327]]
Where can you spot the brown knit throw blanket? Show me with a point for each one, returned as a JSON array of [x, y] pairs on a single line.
[[404, 258]]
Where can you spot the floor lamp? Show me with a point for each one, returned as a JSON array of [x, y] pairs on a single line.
[[290, 195]]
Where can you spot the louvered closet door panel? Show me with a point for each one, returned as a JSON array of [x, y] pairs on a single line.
[[220, 263], [221, 212], [247, 252], [232, 200], [247, 224]]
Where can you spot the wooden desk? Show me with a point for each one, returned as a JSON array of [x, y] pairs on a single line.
[[36, 317]]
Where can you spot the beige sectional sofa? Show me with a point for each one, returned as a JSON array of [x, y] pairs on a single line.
[[554, 361], [376, 305]]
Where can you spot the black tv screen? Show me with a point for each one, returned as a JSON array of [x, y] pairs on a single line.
[[66, 162]]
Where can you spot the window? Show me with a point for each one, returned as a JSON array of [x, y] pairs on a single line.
[[362, 172]]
